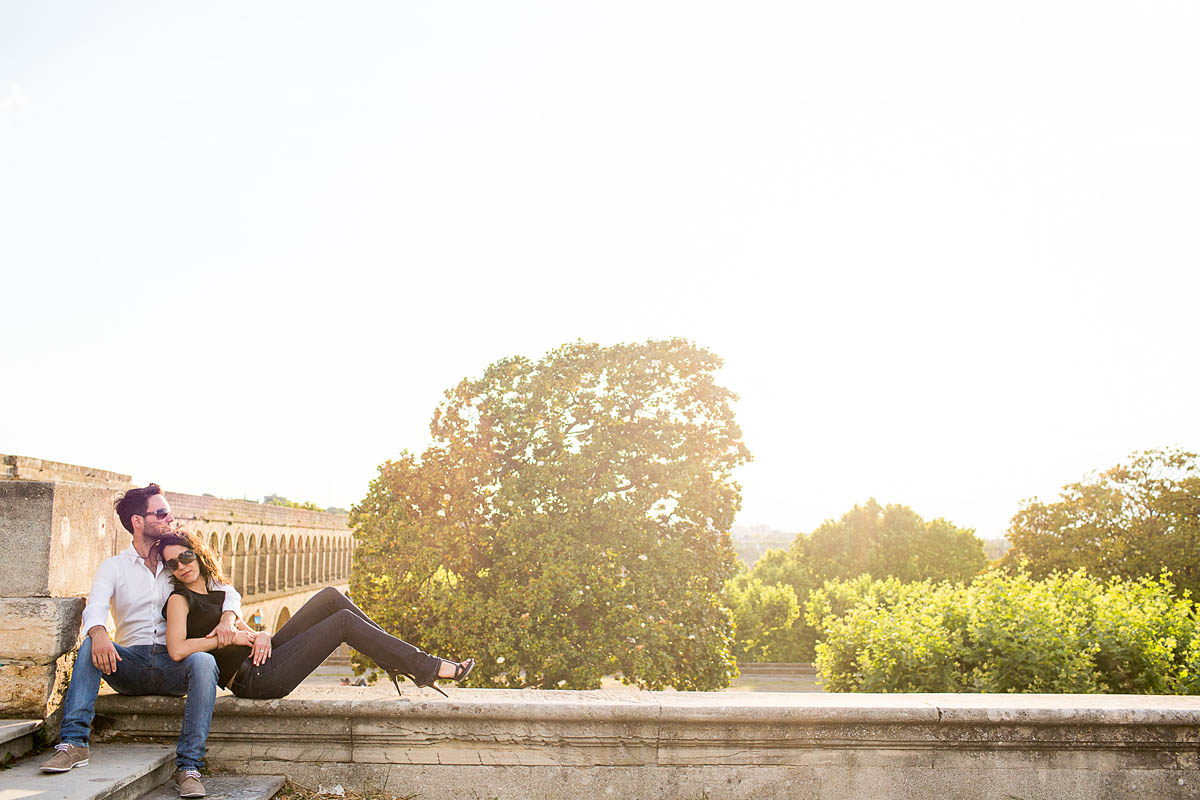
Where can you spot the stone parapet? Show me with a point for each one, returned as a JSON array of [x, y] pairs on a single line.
[[205, 509], [24, 468], [536, 744]]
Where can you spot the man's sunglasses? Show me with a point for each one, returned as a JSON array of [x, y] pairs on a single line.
[[161, 513], [186, 557]]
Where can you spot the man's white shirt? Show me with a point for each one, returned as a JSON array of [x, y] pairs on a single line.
[[136, 596]]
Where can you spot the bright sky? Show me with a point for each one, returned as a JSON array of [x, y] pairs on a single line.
[[948, 250]]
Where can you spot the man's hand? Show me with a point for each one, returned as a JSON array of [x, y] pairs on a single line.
[[104, 652], [244, 638], [224, 631], [262, 648]]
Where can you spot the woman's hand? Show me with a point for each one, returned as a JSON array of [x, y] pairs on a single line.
[[243, 639], [262, 648]]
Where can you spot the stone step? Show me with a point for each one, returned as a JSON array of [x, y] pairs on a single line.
[[776, 668], [16, 738], [113, 772], [258, 787]]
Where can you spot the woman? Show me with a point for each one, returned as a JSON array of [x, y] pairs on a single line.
[[261, 666]]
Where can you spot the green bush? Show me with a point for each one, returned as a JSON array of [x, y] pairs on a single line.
[[1007, 632], [898, 637], [869, 539], [762, 617]]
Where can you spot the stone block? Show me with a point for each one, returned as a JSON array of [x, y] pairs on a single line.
[[37, 630], [34, 690], [53, 536]]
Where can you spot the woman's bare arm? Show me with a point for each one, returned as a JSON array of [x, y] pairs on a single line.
[[179, 646]]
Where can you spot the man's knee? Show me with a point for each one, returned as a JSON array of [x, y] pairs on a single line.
[[202, 665], [330, 593]]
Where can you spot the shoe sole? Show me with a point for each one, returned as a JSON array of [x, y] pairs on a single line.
[[193, 795], [66, 769]]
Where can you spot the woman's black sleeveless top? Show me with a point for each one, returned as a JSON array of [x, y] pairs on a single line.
[[204, 612]]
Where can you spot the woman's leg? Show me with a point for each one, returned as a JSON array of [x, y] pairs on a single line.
[[301, 653], [323, 604]]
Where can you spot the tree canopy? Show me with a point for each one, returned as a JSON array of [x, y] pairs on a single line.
[[891, 541], [1137, 518], [569, 520]]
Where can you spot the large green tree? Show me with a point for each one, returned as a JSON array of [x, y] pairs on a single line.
[[1138, 518], [569, 520]]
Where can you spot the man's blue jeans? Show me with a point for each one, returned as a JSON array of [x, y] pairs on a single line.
[[146, 669]]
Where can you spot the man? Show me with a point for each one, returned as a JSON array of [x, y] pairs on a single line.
[[134, 585]]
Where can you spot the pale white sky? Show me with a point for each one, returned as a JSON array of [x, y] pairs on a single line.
[[948, 250]]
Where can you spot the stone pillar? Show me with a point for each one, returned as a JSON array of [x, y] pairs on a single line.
[[56, 525]]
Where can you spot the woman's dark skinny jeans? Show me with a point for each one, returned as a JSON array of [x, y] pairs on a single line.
[[315, 631]]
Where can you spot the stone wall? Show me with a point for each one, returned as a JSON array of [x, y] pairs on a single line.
[[57, 524], [544, 745]]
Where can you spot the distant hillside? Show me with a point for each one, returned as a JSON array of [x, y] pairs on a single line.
[[751, 542]]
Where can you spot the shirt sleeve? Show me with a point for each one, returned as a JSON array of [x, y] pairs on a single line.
[[103, 585], [233, 600]]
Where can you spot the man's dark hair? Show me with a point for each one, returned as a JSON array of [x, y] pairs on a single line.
[[134, 502]]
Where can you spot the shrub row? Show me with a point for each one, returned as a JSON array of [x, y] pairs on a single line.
[[1006, 632]]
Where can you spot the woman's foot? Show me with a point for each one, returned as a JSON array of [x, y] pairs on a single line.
[[455, 670]]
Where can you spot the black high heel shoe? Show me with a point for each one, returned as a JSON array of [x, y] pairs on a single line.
[[461, 670]]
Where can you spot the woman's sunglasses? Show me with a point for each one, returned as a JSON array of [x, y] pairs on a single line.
[[186, 557]]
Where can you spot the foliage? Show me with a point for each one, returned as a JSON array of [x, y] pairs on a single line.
[[1135, 519], [277, 500], [570, 520], [892, 541], [917, 648], [1008, 632], [762, 615]]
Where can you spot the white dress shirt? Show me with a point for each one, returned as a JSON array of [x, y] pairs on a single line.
[[136, 597]]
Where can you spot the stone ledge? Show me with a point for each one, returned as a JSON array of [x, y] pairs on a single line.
[[701, 707], [742, 744]]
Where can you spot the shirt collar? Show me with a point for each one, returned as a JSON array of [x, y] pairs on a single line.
[[134, 558]]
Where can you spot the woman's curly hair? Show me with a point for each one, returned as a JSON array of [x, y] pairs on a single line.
[[210, 569]]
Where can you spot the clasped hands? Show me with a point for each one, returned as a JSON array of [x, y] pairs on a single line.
[[259, 641]]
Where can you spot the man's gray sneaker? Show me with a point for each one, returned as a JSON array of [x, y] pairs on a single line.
[[66, 757], [188, 783]]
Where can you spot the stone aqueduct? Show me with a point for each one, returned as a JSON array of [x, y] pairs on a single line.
[[276, 557]]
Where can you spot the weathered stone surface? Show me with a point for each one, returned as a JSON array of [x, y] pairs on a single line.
[[35, 690], [16, 738], [532, 744], [53, 536], [25, 468], [37, 630], [226, 788], [113, 772]]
